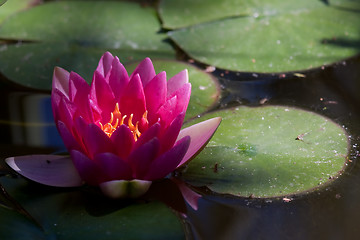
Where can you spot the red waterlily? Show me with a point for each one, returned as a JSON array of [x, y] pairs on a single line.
[[120, 131]]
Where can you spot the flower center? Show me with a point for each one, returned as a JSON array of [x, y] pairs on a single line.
[[117, 119]]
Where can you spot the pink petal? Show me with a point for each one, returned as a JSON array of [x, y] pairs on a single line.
[[168, 161], [166, 112], [200, 135], [183, 97], [105, 63], [151, 133], [146, 71], [105, 99], [52, 170], [133, 99], [155, 92], [78, 88], [90, 171], [177, 81], [170, 135], [114, 167], [123, 140], [68, 139], [66, 112], [141, 159], [79, 131], [61, 80], [96, 141], [118, 78]]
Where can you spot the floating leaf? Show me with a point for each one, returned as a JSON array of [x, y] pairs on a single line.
[[179, 14], [32, 65], [76, 215], [269, 151], [77, 24], [13, 225], [205, 89], [352, 5], [14, 6], [282, 41], [76, 39]]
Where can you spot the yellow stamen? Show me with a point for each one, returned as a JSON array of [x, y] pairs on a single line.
[[116, 120]]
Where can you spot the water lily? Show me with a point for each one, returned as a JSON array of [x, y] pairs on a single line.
[[122, 132]]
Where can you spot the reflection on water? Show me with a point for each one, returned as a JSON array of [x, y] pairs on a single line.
[[27, 125], [31, 120]]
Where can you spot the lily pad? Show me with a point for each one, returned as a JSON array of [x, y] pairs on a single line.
[[279, 42], [16, 226], [205, 90], [75, 39], [179, 14], [269, 151], [76, 215], [32, 64], [14, 6], [116, 25]]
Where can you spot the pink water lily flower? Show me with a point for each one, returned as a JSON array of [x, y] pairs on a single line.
[[122, 132]]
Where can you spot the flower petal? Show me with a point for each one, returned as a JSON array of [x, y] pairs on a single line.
[[118, 78], [146, 71], [97, 141], [151, 133], [183, 97], [125, 189], [89, 170], [105, 63], [141, 159], [114, 167], [52, 170], [78, 88], [65, 112], [166, 112], [123, 140], [68, 138], [105, 99], [168, 161], [133, 99], [61, 80], [177, 81], [155, 92], [169, 136], [200, 135]]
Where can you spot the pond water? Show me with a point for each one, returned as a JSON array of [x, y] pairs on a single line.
[[327, 212]]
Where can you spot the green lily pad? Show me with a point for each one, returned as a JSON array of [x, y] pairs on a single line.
[[16, 226], [205, 90], [32, 65], [269, 151], [179, 14], [116, 25], [75, 215], [279, 42], [76, 39], [14, 6], [352, 5]]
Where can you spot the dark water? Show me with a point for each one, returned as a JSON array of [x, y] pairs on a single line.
[[330, 212]]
